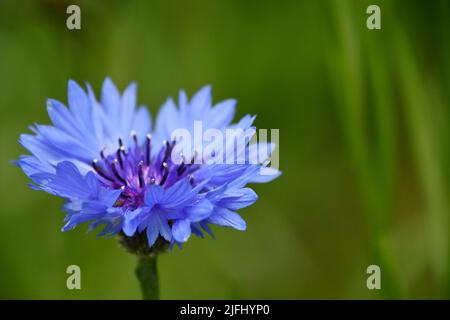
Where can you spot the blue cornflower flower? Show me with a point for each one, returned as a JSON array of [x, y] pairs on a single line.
[[114, 170]]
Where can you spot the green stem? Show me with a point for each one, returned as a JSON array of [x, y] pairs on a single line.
[[147, 274]]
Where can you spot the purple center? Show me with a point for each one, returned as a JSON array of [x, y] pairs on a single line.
[[133, 169]]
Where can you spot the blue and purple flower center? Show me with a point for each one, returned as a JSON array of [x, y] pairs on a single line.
[[133, 169]]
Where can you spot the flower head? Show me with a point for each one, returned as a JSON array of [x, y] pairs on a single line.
[[114, 170]]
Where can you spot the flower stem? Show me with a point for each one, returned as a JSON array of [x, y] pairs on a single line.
[[147, 274]]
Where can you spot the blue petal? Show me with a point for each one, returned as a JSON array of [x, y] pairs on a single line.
[[244, 123], [167, 121], [178, 195], [164, 228], [79, 218], [238, 199], [61, 117], [152, 229], [132, 221], [265, 174], [222, 114], [152, 232], [108, 197], [112, 219], [39, 149], [128, 105], [181, 230], [153, 195], [183, 103], [206, 227], [97, 118], [260, 152], [31, 165], [67, 182], [199, 211], [200, 104], [195, 228], [219, 174], [250, 173], [141, 123], [111, 99], [225, 217], [79, 106], [67, 145]]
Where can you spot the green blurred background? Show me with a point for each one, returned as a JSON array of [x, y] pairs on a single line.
[[363, 118]]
